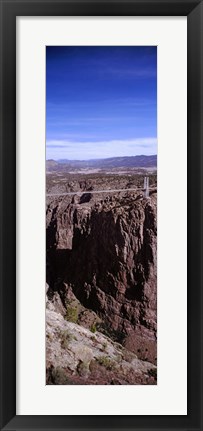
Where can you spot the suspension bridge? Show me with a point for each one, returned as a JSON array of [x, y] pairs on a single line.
[[146, 190]]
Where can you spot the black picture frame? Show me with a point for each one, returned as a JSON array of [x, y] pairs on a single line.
[[193, 9]]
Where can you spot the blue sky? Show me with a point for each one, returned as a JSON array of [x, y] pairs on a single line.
[[100, 101]]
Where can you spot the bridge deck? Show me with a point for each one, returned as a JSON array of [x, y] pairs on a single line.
[[96, 191]]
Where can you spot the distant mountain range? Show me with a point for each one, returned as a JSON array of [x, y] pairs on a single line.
[[112, 162]]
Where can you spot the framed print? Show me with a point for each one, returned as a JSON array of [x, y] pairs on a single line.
[[101, 198], [101, 277]]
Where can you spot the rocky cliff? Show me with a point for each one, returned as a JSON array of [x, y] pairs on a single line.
[[76, 356], [101, 250]]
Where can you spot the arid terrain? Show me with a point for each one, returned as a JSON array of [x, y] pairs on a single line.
[[101, 291]]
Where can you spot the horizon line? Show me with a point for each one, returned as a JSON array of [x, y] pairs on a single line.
[[101, 158]]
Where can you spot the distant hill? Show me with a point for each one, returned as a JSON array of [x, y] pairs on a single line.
[[51, 164], [112, 162]]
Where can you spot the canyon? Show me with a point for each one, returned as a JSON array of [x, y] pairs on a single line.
[[101, 277]]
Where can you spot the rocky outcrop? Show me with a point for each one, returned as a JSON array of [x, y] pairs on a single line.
[[74, 355], [104, 251]]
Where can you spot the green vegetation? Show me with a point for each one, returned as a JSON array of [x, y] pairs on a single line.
[[83, 368], [71, 314], [106, 362], [66, 337], [93, 327], [58, 376]]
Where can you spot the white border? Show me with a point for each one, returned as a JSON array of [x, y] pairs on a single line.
[[169, 396]]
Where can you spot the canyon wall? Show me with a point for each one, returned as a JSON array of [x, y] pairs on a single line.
[[104, 251]]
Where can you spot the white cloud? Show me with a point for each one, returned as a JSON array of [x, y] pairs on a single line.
[[63, 149]]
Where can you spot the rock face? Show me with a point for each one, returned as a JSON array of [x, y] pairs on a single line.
[[103, 249], [74, 355]]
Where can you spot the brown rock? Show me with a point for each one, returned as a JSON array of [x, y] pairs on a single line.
[[105, 252]]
